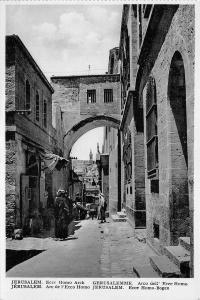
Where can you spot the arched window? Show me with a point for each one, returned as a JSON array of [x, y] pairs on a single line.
[[45, 113], [177, 97], [37, 107], [28, 95], [151, 129], [179, 220]]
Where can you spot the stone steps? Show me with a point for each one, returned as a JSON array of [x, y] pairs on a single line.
[[116, 218], [175, 261], [164, 267], [145, 272], [179, 256], [121, 214], [185, 242]]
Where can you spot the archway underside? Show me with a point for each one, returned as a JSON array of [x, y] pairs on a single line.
[[84, 126]]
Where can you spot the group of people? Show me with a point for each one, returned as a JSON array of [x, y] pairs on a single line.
[[66, 210], [98, 210]]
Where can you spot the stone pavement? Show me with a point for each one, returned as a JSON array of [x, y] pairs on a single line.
[[96, 250], [122, 250]]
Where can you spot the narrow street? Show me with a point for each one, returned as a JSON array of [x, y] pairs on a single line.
[[95, 250]]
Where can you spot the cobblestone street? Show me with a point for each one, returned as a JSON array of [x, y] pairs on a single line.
[[95, 250]]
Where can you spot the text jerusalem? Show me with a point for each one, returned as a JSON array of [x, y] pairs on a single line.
[[110, 285], [27, 284]]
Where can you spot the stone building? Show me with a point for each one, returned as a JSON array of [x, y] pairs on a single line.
[[133, 185], [157, 85], [88, 174], [111, 150], [87, 102], [35, 168]]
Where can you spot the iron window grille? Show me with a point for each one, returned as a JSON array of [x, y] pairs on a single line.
[[45, 113], [28, 95], [91, 96], [37, 107], [108, 95], [151, 129]]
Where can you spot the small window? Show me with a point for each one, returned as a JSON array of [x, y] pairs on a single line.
[[108, 95], [154, 186], [28, 96], [91, 96], [156, 231], [131, 190], [45, 113], [127, 190], [151, 129], [37, 107]]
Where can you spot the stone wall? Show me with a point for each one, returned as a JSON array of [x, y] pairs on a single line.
[[10, 88], [71, 95], [180, 37], [25, 71], [113, 172], [10, 183], [24, 134], [79, 116], [137, 209], [100, 107]]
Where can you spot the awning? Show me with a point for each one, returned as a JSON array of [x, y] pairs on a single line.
[[75, 177], [52, 161]]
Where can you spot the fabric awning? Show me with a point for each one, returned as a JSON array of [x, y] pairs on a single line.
[[75, 177], [52, 161]]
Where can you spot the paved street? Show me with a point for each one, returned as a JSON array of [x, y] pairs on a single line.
[[95, 250]]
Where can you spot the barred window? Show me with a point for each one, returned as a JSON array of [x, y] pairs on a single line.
[[91, 96], [37, 107], [28, 96], [45, 113], [151, 129], [108, 95]]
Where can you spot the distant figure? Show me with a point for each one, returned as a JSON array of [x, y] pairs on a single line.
[[61, 208], [93, 210], [103, 206]]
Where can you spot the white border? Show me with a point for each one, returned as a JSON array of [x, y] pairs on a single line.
[[192, 292]]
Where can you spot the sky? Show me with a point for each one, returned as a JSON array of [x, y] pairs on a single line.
[[81, 148], [66, 40]]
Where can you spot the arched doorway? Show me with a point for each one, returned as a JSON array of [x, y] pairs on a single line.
[[84, 126], [179, 200], [108, 162]]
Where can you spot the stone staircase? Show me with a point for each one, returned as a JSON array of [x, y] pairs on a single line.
[[120, 216], [174, 263]]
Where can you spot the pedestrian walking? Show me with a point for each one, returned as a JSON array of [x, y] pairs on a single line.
[[61, 209], [103, 206]]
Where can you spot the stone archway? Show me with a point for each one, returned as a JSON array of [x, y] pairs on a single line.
[[179, 222], [84, 126]]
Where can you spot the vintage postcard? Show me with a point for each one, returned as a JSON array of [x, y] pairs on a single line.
[[99, 130]]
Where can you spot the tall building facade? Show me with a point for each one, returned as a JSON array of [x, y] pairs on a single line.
[[35, 167], [111, 148], [157, 105]]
